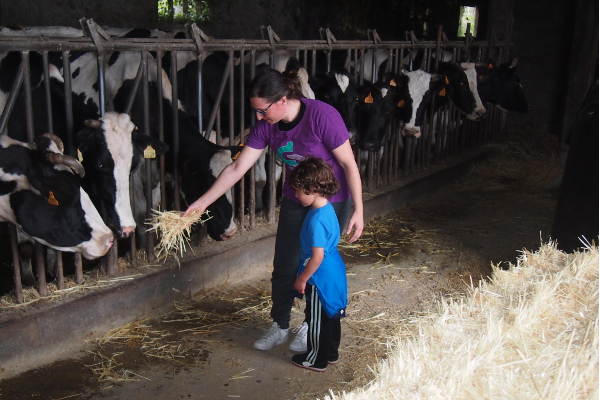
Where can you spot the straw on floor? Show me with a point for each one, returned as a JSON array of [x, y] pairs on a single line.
[[530, 333]]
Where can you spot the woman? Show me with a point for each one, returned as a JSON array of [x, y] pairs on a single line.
[[294, 127]]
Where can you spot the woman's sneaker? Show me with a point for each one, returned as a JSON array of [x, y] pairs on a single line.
[[272, 337], [300, 361], [299, 342]]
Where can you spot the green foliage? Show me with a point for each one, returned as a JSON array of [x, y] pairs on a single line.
[[198, 10]]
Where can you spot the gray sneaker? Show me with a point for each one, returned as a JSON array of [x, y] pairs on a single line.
[[272, 337], [299, 342]]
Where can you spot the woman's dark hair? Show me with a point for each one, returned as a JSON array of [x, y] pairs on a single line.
[[314, 175], [272, 85]]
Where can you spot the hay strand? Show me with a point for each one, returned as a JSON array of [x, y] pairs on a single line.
[[174, 230]]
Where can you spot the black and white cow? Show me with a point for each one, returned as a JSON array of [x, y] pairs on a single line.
[[417, 89], [120, 73], [338, 89], [499, 85], [374, 116], [41, 195]]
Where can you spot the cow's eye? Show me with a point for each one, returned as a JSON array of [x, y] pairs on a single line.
[[326, 96], [99, 164]]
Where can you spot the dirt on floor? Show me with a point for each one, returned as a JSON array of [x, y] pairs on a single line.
[[397, 271]]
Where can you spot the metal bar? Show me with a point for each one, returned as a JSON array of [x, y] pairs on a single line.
[[60, 279], [12, 97], [148, 162], [47, 93], [69, 145], [40, 266], [16, 263], [213, 114], [175, 127]]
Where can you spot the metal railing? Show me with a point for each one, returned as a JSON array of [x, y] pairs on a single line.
[[442, 139]]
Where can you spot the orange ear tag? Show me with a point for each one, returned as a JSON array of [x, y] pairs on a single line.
[[51, 199], [401, 103], [369, 99], [490, 66], [233, 157], [442, 92], [447, 81], [393, 82]]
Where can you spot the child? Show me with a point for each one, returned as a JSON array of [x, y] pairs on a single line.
[[321, 273]]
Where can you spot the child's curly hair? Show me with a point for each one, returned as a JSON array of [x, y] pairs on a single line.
[[314, 175]]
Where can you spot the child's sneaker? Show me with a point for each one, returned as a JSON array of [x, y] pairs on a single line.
[[272, 337], [299, 342], [300, 361]]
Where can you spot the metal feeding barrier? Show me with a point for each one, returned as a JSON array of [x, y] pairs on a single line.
[[443, 138]]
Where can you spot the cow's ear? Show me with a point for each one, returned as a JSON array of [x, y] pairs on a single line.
[[142, 141]]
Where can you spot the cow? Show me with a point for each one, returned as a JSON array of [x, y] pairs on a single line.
[[109, 149], [499, 85], [374, 116], [42, 196], [338, 89], [416, 89], [120, 73]]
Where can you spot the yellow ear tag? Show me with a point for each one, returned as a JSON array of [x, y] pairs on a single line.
[[442, 92], [401, 103], [447, 81], [369, 99], [393, 82], [149, 152], [233, 157], [79, 156], [51, 199]]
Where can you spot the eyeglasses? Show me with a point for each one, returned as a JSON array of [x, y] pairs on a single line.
[[264, 113]]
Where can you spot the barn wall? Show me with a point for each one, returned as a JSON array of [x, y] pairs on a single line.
[[115, 13], [543, 36]]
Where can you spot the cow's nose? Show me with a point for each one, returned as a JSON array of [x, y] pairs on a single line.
[[228, 236], [412, 132], [480, 115], [127, 231]]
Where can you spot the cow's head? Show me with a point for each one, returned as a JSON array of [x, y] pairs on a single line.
[[500, 85], [109, 150], [458, 83], [375, 111], [338, 89], [417, 92], [42, 196], [197, 176]]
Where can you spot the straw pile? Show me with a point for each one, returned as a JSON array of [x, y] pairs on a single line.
[[530, 333], [174, 230]]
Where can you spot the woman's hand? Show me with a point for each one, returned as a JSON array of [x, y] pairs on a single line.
[[356, 222], [197, 206]]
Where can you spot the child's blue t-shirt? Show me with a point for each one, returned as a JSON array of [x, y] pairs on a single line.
[[321, 229]]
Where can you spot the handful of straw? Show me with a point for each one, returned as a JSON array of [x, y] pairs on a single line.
[[175, 230]]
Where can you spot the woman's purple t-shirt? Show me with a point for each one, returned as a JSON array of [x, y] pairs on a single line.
[[320, 131]]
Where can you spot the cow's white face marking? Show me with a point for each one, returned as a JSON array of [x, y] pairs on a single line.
[[118, 129], [418, 84], [100, 242], [343, 81], [472, 78], [384, 93]]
